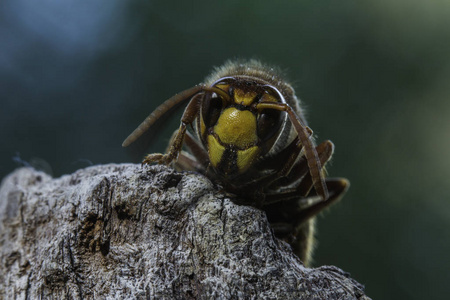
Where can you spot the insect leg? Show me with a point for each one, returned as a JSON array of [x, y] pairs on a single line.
[[285, 209], [302, 237], [299, 173], [189, 115], [167, 107], [337, 187], [196, 149], [293, 220], [291, 207], [197, 158], [285, 158], [310, 152], [300, 169]]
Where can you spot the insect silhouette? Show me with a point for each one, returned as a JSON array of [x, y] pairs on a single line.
[[250, 136]]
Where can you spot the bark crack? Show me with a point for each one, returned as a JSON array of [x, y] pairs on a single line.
[[126, 232]]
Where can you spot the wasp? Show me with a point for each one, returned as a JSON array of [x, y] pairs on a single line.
[[244, 129]]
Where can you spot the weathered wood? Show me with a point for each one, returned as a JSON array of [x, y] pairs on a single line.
[[126, 231]]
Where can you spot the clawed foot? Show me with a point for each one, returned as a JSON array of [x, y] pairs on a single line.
[[162, 159]]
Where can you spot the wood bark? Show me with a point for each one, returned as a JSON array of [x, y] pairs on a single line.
[[131, 232]]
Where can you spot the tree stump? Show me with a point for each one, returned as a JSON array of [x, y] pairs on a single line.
[[131, 232]]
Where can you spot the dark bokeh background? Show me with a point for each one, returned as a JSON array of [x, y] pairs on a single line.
[[77, 76]]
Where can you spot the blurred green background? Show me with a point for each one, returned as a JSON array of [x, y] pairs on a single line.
[[76, 77]]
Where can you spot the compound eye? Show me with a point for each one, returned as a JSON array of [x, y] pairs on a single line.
[[269, 123], [211, 109]]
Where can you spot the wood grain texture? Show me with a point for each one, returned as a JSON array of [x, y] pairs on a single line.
[[126, 232]]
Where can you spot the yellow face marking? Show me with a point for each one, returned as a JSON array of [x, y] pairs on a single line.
[[268, 98], [246, 158], [223, 87], [215, 150], [244, 98], [237, 128]]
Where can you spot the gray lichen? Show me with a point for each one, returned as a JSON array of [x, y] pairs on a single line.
[[126, 231]]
